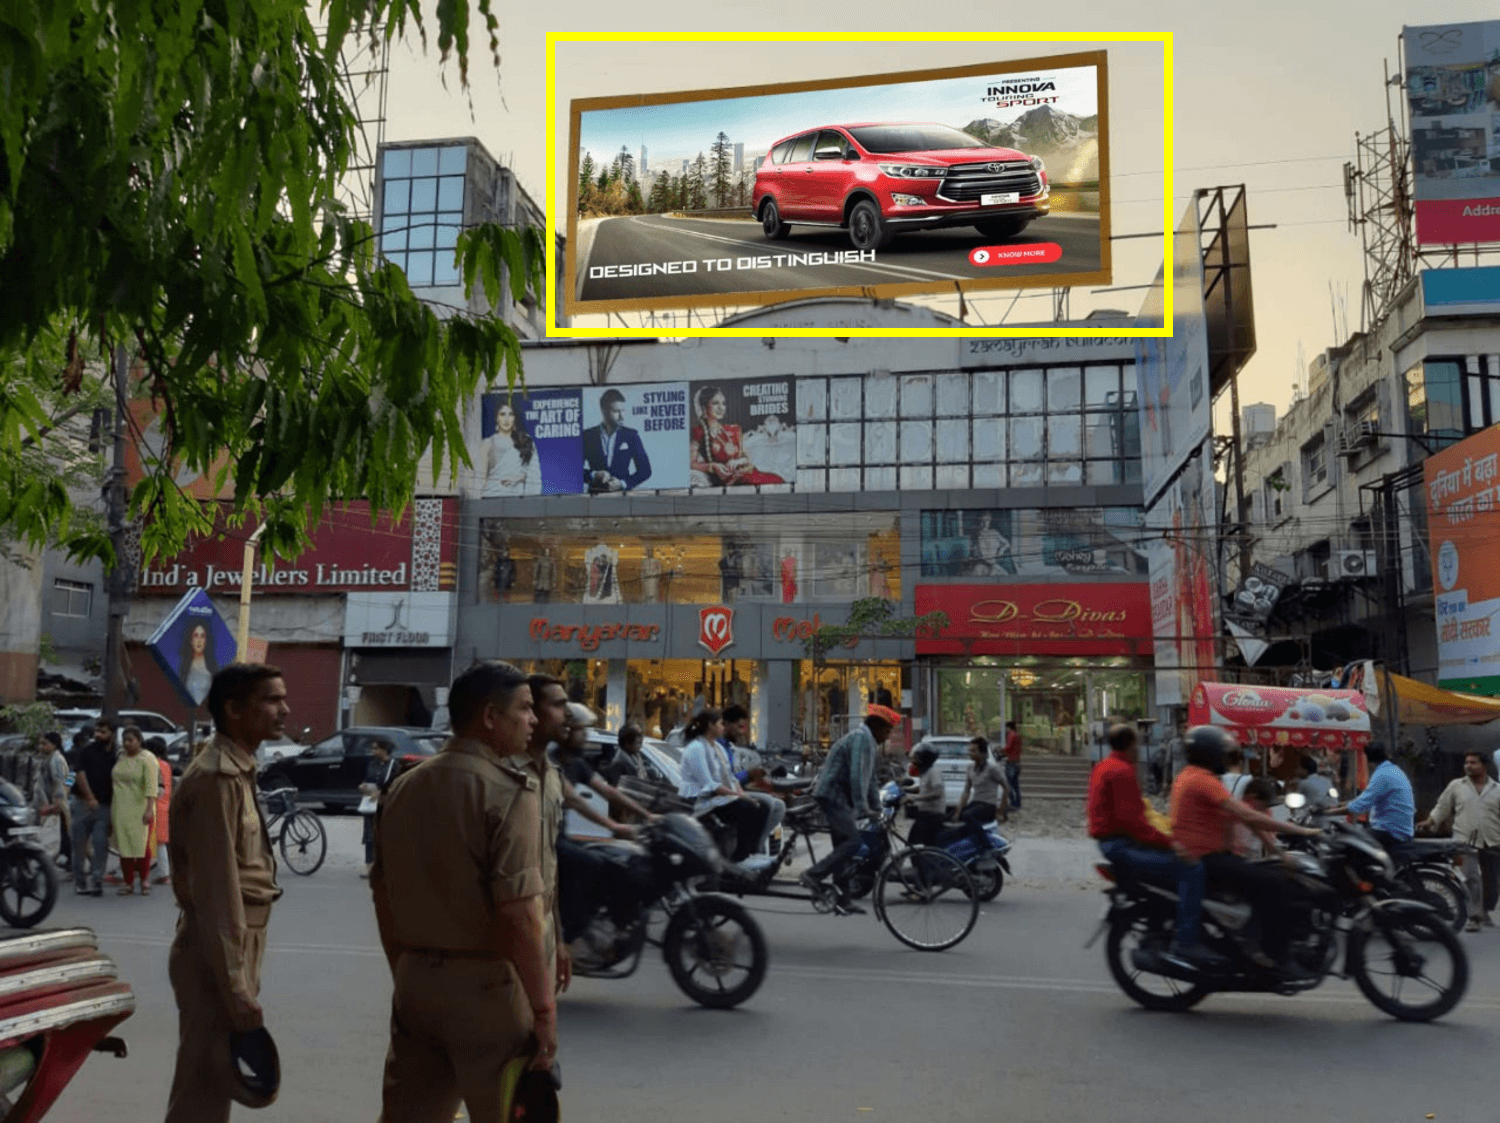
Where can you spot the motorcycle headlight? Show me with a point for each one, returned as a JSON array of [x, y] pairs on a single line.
[[913, 171], [18, 816]]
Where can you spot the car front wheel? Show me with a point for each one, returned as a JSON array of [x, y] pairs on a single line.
[[770, 221], [867, 230]]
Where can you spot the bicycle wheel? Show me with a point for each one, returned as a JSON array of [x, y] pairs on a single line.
[[927, 899], [303, 842]]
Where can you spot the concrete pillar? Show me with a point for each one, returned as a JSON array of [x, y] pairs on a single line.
[[614, 695], [776, 697]]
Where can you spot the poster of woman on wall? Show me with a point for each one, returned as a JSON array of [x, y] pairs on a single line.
[[511, 463], [736, 421], [198, 664]]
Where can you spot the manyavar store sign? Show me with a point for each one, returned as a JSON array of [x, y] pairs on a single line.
[[1111, 618], [1463, 508], [349, 551]]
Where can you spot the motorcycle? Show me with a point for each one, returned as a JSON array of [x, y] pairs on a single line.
[[714, 948], [1426, 867], [28, 879], [59, 1000], [1385, 942], [988, 868]]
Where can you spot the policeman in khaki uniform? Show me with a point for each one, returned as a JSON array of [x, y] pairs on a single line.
[[461, 904], [224, 879], [549, 700]]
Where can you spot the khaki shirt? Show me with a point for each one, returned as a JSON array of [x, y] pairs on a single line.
[[223, 870], [455, 838], [1475, 815], [552, 821]]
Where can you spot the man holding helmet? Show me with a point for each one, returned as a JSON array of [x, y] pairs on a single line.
[[1202, 813]]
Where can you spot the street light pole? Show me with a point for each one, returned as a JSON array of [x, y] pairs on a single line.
[[242, 646]]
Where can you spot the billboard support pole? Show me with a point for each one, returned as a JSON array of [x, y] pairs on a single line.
[[242, 638]]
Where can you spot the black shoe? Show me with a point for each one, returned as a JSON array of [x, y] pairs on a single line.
[[845, 907], [1293, 972], [815, 884], [97, 891]]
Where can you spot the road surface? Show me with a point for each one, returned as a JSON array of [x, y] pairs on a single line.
[[717, 248], [1017, 1023]]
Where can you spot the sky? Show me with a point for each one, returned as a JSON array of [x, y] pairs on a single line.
[[1269, 95], [673, 133]]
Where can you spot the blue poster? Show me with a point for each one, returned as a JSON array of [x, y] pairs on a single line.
[[191, 644], [635, 436], [533, 443]]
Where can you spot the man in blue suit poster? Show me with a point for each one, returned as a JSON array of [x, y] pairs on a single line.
[[614, 457]]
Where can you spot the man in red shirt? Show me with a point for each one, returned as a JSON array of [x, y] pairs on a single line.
[[1203, 813], [1012, 750], [1117, 820]]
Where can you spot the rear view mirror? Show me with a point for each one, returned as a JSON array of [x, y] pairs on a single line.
[[850, 154]]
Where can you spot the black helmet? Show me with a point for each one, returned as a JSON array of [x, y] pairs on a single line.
[[924, 757], [1206, 745], [256, 1068]]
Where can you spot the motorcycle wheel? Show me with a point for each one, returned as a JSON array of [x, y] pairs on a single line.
[[987, 883], [1444, 894], [1154, 992], [1400, 954], [715, 951], [28, 888]]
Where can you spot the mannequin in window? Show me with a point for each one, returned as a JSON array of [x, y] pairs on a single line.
[[543, 574], [650, 577]]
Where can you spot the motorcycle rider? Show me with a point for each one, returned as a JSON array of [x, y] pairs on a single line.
[[1388, 799], [1202, 813], [1117, 821], [929, 811]]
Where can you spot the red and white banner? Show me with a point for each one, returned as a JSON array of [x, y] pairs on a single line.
[[1112, 618]]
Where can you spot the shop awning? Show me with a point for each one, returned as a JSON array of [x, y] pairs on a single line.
[[1417, 703], [1283, 716]]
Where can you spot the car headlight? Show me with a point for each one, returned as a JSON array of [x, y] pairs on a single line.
[[1036, 163], [913, 171], [907, 200]]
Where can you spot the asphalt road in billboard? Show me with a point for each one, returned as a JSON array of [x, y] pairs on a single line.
[[936, 255]]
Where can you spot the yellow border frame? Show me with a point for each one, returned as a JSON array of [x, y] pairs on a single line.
[[1168, 223]]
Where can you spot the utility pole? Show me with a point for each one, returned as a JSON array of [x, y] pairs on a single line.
[[117, 579]]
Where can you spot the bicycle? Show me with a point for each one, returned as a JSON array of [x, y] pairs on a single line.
[[299, 832]]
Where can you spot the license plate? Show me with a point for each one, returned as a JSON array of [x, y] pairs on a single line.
[[1000, 199]]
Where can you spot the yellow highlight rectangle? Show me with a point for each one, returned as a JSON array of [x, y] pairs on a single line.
[[1168, 225]]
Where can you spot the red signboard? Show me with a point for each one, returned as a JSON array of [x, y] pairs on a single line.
[[1077, 619], [348, 552], [715, 628]]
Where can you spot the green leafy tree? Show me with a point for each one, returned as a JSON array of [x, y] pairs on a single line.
[[721, 165], [659, 199], [697, 184], [634, 203], [169, 174], [586, 172]]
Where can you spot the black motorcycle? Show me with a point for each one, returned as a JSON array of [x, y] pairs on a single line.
[[714, 948], [28, 879], [1401, 954], [1426, 867]]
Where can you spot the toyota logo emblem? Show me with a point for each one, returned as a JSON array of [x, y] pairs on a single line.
[[995, 167]]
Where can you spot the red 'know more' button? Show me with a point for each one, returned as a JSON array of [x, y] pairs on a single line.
[[1033, 253]]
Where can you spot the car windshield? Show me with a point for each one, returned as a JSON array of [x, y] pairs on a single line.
[[882, 139], [430, 742], [950, 748]]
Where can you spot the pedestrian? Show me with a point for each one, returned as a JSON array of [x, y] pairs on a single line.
[[380, 773], [461, 910], [1470, 808], [224, 880], [136, 778], [982, 798], [846, 784], [1235, 779], [54, 788], [93, 789], [1012, 752], [162, 839]]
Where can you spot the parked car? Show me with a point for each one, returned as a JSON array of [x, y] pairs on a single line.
[[150, 723], [952, 763], [330, 772], [876, 180]]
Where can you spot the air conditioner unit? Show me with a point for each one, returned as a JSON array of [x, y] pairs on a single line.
[[1354, 563], [1358, 437], [1369, 431]]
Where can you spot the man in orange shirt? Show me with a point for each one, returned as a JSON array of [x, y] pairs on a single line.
[[1202, 814]]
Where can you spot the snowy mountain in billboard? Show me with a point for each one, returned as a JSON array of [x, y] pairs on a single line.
[[1069, 144]]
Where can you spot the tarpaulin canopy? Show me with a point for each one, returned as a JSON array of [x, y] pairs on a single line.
[[1420, 704], [1291, 718]]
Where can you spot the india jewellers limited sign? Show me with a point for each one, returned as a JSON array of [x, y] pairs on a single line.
[[1063, 619]]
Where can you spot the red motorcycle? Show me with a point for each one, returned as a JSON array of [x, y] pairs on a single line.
[[59, 1000]]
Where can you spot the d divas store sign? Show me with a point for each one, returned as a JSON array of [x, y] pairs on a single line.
[[1096, 619]]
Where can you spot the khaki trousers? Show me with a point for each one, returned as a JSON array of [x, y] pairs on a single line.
[[200, 1084], [454, 1025]]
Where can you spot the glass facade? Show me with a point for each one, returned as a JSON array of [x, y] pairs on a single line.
[[1030, 542], [422, 211], [1434, 400]]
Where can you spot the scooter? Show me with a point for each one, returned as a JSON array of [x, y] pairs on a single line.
[[988, 868], [28, 879], [59, 1001]]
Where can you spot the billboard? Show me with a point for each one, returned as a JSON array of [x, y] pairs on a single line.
[[1181, 559], [744, 432], [192, 643], [1111, 618], [1463, 508], [984, 176], [1461, 292], [1453, 94], [532, 444], [1172, 374], [635, 436]]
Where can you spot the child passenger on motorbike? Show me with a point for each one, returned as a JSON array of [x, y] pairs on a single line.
[[928, 803]]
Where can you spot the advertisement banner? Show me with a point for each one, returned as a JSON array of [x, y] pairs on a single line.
[[1463, 507], [532, 443], [1453, 92], [1180, 556], [634, 436], [1461, 292], [744, 432], [1053, 619], [1288, 717], [349, 551], [984, 176], [191, 644], [1172, 374]]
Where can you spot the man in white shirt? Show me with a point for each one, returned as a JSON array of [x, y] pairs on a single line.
[[1470, 805]]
